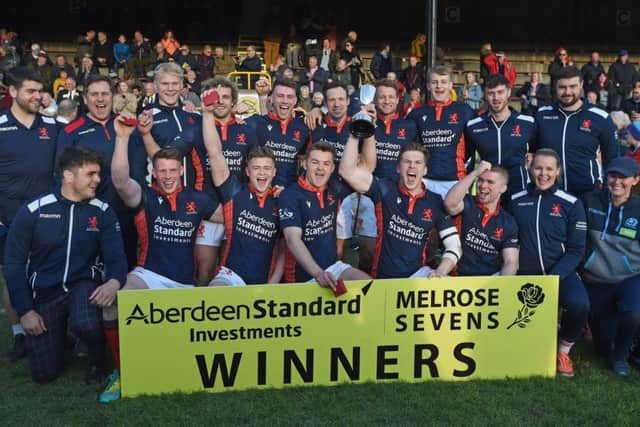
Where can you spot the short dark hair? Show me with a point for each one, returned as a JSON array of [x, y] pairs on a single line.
[[548, 152], [261, 152], [323, 146], [97, 78], [18, 75], [73, 157], [568, 73], [286, 83], [386, 83], [495, 80], [335, 84], [415, 146], [169, 153]]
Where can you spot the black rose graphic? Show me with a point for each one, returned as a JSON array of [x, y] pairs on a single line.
[[531, 296]]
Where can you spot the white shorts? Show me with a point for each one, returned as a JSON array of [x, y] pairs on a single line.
[[336, 269], [439, 187], [366, 225], [227, 277], [210, 234], [422, 272], [157, 281]]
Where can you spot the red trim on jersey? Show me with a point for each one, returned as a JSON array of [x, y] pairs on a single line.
[[140, 221], [261, 198], [388, 122], [412, 199], [225, 126], [172, 198], [319, 191], [439, 106], [227, 212], [460, 155], [378, 248], [289, 266], [283, 123], [338, 125], [199, 170], [74, 125], [487, 215]]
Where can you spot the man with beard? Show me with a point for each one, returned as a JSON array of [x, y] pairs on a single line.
[[502, 135], [489, 233], [576, 131], [95, 130], [27, 152]]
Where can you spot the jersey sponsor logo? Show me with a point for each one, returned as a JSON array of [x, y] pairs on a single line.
[[92, 223], [427, 214], [516, 131], [44, 133], [285, 213], [255, 226], [241, 139], [453, 118], [586, 125], [190, 207], [550, 117], [479, 242], [160, 199], [480, 130], [8, 128], [424, 118], [498, 233], [157, 122], [308, 203], [269, 127], [555, 210], [631, 222], [86, 131], [50, 216], [173, 230], [402, 133], [319, 226]]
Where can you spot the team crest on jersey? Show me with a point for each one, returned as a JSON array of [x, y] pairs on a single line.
[[330, 199], [631, 222], [92, 223], [191, 121], [586, 125], [555, 210], [498, 232], [402, 133], [44, 133], [296, 135], [427, 214], [453, 118], [516, 131], [200, 232], [191, 207], [241, 139]]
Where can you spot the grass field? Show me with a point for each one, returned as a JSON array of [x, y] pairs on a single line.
[[594, 397]]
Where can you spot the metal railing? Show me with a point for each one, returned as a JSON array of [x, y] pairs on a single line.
[[247, 79]]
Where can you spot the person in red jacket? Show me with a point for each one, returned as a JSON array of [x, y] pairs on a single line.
[[505, 68]]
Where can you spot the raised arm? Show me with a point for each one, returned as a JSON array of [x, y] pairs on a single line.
[[357, 176], [128, 189], [219, 167], [454, 201], [146, 123]]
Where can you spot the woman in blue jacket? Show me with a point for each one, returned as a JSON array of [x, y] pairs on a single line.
[[552, 231], [612, 268]]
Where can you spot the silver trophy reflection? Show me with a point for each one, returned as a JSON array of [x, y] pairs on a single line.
[[362, 125]]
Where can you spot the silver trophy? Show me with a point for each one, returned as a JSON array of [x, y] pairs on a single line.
[[362, 125]]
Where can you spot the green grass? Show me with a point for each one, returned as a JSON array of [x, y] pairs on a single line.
[[594, 397]]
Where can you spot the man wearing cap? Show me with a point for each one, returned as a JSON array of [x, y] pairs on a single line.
[[610, 272], [622, 75]]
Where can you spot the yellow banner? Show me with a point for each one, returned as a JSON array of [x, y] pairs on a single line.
[[222, 339]]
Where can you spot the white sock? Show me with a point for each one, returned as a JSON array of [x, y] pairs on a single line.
[[564, 346], [17, 329]]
